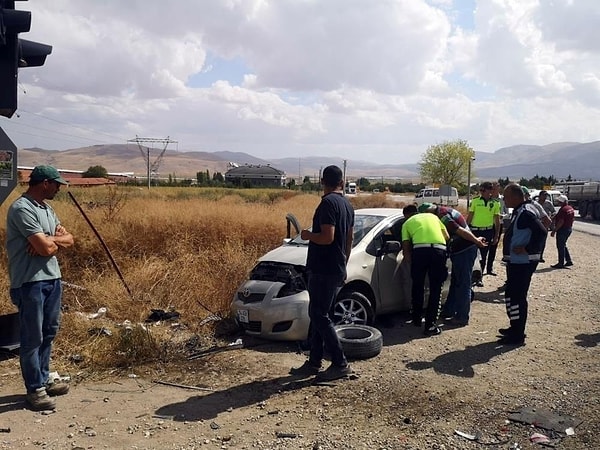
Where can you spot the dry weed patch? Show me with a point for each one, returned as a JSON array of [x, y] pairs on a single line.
[[182, 249]]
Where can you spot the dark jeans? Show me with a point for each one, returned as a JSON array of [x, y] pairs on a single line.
[[39, 317], [427, 262], [491, 250], [518, 279], [484, 261], [458, 303], [322, 290], [562, 236]]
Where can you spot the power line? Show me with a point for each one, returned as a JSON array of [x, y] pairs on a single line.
[[81, 138], [74, 126]]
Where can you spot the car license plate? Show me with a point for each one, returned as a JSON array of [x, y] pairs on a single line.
[[242, 316]]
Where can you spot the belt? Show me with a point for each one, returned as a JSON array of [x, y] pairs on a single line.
[[482, 228], [438, 246]]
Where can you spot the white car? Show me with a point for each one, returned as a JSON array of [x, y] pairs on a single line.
[[273, 302]]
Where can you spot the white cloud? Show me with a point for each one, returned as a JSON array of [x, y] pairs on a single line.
[[379, 80]]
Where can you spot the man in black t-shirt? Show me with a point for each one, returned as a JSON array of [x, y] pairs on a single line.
[[330, 243]]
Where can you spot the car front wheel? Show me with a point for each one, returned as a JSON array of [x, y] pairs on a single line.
[[352, 307]]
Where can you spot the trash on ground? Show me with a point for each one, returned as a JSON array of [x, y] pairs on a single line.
[[570, 431], [99, 331], [545, 419], [470, 437], [539, 438], [53, 377], [210, 318], [282, 435], [99, 314], [5, 430], [215, 349], [159, 315]]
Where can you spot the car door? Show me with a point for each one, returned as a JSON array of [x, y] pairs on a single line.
[[391, 276]]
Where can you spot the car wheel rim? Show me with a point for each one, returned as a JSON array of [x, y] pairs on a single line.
[[349, 311]]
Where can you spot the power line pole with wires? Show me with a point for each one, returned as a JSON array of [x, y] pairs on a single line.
[[152, 168]]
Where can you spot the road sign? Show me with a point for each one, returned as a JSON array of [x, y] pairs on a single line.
[[8, 166]]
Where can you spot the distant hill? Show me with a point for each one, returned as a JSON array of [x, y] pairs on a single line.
[[580, 160]]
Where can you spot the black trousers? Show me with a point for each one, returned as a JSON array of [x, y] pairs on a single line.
[[517, 287], [483, 251], [427, 262]]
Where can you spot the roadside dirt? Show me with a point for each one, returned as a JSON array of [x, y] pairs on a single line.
[[414, 395]]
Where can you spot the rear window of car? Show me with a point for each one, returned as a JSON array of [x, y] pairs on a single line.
[[362, 225]]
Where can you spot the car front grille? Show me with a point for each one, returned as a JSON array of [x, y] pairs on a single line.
[[253, 325], [251, 298]]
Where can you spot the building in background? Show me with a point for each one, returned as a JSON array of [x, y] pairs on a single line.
[[255, 175]]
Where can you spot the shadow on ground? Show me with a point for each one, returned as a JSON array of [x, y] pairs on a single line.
[[460, 363], [588, 340], [209, 406]]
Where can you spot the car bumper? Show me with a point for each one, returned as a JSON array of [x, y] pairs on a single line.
[[259, 311]]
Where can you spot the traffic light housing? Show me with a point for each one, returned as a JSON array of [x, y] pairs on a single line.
[[15, 53]]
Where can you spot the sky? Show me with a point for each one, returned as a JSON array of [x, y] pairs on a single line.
[[366, 80]]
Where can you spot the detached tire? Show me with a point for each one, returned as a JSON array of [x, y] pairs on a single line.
[[359, 341]]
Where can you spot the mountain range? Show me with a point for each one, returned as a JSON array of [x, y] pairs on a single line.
[[579, 160]]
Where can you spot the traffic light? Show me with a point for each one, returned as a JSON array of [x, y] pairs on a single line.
[[15, 53]]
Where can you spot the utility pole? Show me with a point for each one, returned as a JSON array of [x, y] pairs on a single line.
[[344, 186], [152, 168]]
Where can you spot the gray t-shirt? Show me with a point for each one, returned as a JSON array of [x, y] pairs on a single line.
[[26, 217]]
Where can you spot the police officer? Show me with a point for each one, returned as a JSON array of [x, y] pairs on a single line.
[[484, 221], [424, 239]]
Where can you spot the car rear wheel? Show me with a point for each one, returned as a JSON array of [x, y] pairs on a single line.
[[352, 307], [359, 341]]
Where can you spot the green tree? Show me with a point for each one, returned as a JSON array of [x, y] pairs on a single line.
[[363, 183], [446, 163], [95, 172]]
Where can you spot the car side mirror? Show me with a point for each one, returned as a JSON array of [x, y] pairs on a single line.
[[390, 247]]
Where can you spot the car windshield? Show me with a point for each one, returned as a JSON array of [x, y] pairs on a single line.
[[362, 225]]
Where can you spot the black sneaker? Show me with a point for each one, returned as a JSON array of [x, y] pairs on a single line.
[[505, 331], [568, 263], [307, 369], [479, 283], [512, 340], [558, 266], [491, 273], [433, 330], [334, 372], [455, 322]]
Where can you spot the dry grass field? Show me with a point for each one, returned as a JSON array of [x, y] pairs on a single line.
[[185, 249]]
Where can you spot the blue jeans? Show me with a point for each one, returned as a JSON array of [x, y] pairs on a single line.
[[561, 245], [458, 303], [322, 290], [39, 317]]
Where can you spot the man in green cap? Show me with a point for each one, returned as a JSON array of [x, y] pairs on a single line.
[[34, 236]]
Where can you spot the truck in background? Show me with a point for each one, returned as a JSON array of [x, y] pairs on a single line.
[[350, 187], [585, 198]]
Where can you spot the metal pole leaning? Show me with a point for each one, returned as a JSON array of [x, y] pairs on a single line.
[[104, 246]]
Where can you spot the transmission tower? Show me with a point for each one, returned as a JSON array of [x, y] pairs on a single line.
[[152, 167]]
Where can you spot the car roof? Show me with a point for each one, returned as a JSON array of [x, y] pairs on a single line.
[[386, 212]]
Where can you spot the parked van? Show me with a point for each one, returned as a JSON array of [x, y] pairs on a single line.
[[432, 195]]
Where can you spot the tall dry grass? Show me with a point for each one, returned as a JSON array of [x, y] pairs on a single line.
[[186, 249]]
